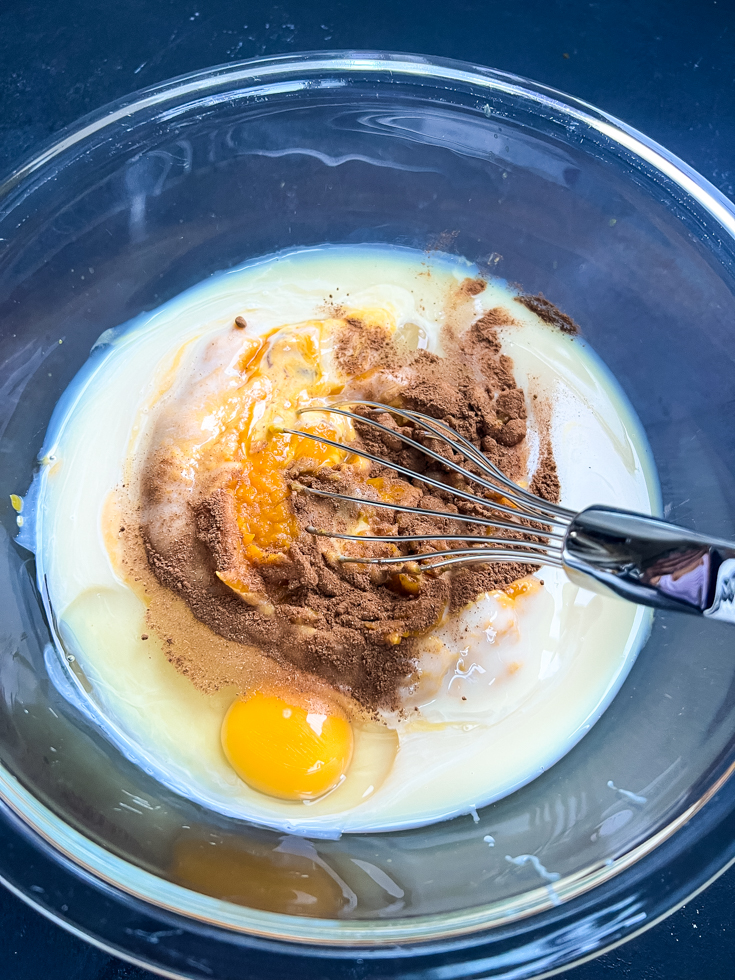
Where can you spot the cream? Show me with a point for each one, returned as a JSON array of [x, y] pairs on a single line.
[[506, 688]]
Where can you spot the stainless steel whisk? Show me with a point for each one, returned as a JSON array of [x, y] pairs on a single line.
[[639, 558]]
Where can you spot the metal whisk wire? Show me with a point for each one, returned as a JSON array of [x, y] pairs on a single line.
[[549, 513], [544, 546]]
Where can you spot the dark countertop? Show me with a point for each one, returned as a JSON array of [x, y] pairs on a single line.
[[666, 67]]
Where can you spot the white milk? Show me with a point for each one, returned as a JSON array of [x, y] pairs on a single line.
[[507, 689]]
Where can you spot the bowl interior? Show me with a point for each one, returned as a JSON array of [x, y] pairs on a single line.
[[202, 175]]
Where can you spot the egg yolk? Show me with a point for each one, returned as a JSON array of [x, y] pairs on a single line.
[[290, 751]]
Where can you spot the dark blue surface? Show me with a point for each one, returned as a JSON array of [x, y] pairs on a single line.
[[696, 943], [664, 66]]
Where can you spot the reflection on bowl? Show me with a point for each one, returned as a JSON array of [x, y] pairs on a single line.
[[147, 198]]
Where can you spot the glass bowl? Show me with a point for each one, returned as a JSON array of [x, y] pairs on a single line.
[[152, 194]]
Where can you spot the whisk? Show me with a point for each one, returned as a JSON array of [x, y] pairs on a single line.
[[639, 558]]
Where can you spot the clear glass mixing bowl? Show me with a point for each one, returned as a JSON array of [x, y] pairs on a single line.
[[149, 196]]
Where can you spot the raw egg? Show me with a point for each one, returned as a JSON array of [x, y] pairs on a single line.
[[284, 749]]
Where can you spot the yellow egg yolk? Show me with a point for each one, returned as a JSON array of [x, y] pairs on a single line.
[[286, 750]]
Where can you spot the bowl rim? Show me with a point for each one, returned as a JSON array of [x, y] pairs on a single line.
[[265, 72], [430, 67]]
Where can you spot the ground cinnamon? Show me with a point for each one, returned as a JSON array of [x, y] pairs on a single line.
[[357, 627]]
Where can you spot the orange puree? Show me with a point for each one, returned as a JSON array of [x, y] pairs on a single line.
[[281, 372]]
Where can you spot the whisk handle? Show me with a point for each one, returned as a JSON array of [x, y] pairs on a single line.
[[651, 562]]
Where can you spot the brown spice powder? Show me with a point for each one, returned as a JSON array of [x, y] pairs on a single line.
[[546, 311], [356, 627]]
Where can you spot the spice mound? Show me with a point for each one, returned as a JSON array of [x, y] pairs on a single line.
[[226, 511]]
